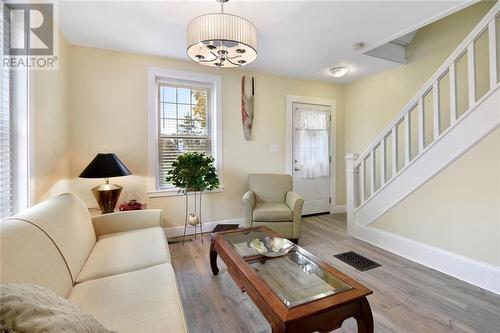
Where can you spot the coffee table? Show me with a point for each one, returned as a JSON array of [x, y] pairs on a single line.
[[297, 292]]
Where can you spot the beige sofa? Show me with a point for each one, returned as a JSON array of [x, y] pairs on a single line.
[[270, 201], [116, 267]]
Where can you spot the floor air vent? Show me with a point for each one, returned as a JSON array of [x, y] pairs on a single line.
[[357, 261]]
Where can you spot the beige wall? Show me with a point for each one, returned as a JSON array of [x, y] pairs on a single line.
[[108, 110], [459, 210], [373, 102], [106, 100], [50, 113]]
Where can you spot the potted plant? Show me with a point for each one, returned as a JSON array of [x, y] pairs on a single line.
[[193, 172]]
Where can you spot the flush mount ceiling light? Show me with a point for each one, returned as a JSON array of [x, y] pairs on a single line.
[[221, 40], [338, 71]]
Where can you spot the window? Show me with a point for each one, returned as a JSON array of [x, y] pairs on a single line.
[[6, 154], [184, 118], [13, 136], [183, 124]]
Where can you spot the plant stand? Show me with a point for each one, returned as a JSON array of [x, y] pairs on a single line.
[[197, 212]]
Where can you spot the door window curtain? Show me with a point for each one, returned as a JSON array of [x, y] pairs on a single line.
[[313, 158]]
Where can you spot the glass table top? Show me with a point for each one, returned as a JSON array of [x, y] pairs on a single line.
[[294, 278]]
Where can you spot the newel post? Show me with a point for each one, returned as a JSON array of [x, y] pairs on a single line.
[[352, 182]]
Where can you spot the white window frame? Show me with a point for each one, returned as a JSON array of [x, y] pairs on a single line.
[[22, 140], [24, 181], [156, 75]]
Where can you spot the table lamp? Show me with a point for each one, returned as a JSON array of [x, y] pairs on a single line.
[[106, 165]]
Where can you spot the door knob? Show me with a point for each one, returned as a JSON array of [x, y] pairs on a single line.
[[296, 169]]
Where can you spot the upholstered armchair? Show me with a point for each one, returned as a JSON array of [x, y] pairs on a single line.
[[270, 201]]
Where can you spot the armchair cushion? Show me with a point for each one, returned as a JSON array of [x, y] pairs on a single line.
[[270, 212], [270, 188]]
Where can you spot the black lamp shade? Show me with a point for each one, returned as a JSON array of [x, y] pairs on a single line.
[[105, 165]]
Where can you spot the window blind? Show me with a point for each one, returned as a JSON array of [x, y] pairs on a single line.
[[184, 124], [6, 137]]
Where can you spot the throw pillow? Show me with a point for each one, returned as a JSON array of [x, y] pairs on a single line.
[[32, 308]]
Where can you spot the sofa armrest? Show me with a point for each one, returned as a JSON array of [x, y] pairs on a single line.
[[126, 221], [248, 202], [295, 203]]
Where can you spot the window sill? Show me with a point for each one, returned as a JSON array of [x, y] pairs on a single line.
[[175, 192]]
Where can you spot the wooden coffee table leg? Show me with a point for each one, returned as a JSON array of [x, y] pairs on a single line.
[[213, 258], [365, 318], [277, 329]]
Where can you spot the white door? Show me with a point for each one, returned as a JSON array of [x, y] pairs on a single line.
[[311, 156]]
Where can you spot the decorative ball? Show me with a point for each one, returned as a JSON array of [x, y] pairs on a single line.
[[193, 219]]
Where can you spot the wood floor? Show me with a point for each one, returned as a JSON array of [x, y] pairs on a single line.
[[407, 297]]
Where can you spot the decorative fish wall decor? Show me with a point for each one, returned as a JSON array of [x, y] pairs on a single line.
[[247, 105]]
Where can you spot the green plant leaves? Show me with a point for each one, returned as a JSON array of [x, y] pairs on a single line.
[[193, 172]]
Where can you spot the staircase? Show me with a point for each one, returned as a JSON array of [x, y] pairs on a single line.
[[451, 113]]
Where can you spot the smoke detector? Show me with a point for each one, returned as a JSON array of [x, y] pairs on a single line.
[[358, 46]]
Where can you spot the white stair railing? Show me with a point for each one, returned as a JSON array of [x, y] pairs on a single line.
[[373, 164]]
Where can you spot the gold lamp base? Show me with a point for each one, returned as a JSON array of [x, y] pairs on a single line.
[[107, 196]]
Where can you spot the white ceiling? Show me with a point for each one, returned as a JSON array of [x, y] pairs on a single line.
[[295, 38]]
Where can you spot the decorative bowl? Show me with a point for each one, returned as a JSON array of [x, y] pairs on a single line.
[[272, 246], [131, 205]]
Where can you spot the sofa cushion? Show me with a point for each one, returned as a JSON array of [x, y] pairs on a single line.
[[31, 308], [146, 300], [125, 252], [66, 220], [272, 212], [126, 221], [29, 256]]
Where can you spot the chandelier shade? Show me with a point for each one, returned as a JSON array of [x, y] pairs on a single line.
[[221, 40]]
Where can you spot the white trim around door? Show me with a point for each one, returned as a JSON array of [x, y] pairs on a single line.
[[290, 99]]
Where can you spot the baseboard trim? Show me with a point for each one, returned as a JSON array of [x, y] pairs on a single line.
[[207, 227], [340, 209], [472, 271]]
